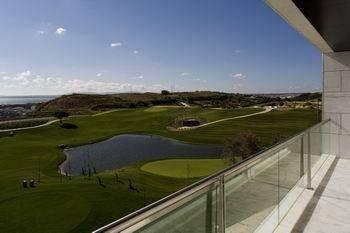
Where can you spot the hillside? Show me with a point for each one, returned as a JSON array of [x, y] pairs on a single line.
[[85, 103], [308, 97], [78, 103]]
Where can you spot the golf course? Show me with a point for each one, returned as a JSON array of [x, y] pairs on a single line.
[[82, 203]]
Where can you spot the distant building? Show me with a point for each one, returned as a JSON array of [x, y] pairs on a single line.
[[190, 122]]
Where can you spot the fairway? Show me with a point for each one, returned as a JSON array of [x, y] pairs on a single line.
[[80, 204], [185, 168]]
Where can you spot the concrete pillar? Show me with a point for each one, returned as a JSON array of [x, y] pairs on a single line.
[[336, 100]]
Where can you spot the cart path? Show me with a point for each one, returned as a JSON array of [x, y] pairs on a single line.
[[106, 112], [267, 109], [50, 122], [31, 127]]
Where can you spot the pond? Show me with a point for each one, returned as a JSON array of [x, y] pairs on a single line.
[[126, 149]]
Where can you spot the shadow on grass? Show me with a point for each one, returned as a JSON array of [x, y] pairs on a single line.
[[69, 126]]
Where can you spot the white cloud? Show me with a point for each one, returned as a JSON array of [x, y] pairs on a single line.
[[116, 44], [41, 32], [60, 31], [139, 77], [23, 77], [99, 75], [25, 73], [237, 87], [185, 74], [28, 84], [239, 76], [2, 72], [100, 87], [136, 52]]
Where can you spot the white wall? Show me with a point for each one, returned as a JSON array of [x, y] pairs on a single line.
[[336, 99]]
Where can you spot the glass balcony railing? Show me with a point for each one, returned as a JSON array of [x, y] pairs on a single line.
[[252, 196]]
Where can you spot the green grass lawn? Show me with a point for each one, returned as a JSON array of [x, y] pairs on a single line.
[[185, 168], [81, 205]]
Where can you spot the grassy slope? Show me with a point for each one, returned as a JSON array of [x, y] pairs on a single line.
[[185, 168], [80, 205]]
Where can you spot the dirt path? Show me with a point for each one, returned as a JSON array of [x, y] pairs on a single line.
[[27, 120], [186, 105], [106, 112], [36, 126], [267, 109], [31, 127], [47, 123]]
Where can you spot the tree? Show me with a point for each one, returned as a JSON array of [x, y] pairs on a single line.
[[165, 92], [241, 146], [60, 115]]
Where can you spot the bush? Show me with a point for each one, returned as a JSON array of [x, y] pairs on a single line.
[[142, 104], [132, 105], [165, 101], [278, 137], [242, 146], [165, 92]]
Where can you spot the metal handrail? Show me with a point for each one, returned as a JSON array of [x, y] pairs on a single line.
[[199, 187]]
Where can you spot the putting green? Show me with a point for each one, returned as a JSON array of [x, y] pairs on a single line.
[[185, 168]]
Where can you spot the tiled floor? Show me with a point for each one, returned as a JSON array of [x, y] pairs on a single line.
[[329, 209]]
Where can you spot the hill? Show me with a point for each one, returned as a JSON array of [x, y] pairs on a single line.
[[308, 97], [86, 103]]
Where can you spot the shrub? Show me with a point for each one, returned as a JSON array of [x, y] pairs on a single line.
[[278, 137], [165, 92], [242, 146]]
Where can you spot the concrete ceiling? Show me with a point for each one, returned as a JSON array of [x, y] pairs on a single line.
[[331, 18], [290, 12]]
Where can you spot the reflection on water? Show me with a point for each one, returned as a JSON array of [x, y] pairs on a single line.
[[126, 149]]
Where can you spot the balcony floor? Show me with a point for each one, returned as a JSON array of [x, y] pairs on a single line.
[[329, 207]]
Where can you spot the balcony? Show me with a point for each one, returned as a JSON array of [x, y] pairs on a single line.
[[300, 185], [284, 188]]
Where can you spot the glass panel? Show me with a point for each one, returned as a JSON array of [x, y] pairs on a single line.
[[198, 215], [318, 147], [291, 169], [252, 196], [259, 195]]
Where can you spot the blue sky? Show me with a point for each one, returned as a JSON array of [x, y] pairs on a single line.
[[65, 46]]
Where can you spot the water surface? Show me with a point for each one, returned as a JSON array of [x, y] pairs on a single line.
[[11, 100], [126, 149]]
